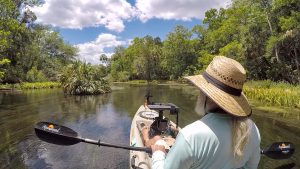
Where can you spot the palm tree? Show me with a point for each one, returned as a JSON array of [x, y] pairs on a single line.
[[81, 79]]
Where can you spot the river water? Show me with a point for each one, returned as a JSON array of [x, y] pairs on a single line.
[[107, 117]]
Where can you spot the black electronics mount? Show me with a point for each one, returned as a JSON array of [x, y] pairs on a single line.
[[160, 124]]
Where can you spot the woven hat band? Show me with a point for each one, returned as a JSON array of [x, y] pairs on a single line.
[[221, 86]]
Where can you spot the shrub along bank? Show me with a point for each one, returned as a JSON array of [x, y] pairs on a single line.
[[31, 85]]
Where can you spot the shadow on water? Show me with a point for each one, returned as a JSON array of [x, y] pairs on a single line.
[[106, 117]]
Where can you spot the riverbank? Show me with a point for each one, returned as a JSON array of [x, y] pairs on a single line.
[[153, 82], [30, 85], [272, 95], [265, 95]]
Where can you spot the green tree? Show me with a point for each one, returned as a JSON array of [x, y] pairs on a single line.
[[140, 60], [178, 52], [2, 70], [83, 79], [29, 46], [34, 75], [104, 59], [261, 34], [147, 54], [119, 65]]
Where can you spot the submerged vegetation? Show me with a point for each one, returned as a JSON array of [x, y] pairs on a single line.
[[83, 79]]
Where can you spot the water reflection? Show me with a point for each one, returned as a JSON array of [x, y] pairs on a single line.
[[106, 117], [92, 116], [273, 130]]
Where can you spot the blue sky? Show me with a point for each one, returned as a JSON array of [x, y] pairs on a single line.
[[95, 27], [154, 27]]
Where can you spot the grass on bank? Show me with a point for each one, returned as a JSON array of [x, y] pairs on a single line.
[[32, 85], [273, 94], [265, 92]]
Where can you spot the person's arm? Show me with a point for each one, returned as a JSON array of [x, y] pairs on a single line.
[[253, 161], [180, 155]]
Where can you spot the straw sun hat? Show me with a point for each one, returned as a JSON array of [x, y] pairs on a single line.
[[223, 81]]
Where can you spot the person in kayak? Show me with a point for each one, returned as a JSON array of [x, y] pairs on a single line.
[[226, 137]]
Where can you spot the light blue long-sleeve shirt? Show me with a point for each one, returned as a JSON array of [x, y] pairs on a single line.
[[207, 144]]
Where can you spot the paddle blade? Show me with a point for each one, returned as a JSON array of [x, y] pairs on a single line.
[[279, 150], [56, 134]]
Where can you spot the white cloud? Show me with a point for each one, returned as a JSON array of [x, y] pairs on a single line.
[[176, 9], [91, 51], [77, 14]]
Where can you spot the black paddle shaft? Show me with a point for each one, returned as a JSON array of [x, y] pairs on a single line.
[[147, 150], [61, 135]]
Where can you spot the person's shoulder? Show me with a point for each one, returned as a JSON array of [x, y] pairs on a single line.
[[255, 131], [194, 129], [194, 125]]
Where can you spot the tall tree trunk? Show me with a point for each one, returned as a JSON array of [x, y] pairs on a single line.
[[271, 30], [297, 63], [276, 54], [269, 23]]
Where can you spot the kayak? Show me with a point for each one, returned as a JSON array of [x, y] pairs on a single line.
[[151, 116]]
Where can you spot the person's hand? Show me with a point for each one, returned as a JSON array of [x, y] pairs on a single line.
[[158, 148], [145, 136], [145, 131], [175, 130]]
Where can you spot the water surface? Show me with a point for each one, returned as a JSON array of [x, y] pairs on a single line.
[[106, 117]]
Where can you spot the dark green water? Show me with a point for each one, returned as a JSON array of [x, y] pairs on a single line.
[[106, 117]]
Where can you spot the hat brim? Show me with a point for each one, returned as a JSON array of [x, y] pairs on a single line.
[[234, 105]]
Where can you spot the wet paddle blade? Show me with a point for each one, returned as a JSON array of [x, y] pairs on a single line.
[[279, 150], [56, 134]]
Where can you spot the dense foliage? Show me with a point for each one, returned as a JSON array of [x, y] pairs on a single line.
[[264, 35], [83, 79], [30, 52], [3, 62], [35, 53]]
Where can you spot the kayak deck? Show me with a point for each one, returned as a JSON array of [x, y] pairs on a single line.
[[145, 117]]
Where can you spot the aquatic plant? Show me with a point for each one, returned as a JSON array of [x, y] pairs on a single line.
[[83, 79], [271, 93]]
